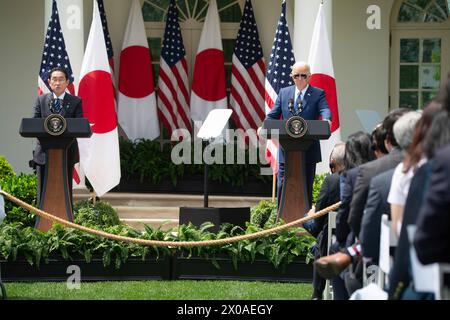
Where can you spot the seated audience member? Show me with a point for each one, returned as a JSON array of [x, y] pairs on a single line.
[[377, 138], [369, 170], [333, 264], [358, 150], [399, 277], [433, 232], [380, 187], [329, 194]]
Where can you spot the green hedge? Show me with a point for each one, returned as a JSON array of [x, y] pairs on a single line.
[[144, 160]]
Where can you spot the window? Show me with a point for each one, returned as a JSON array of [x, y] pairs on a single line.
[[424, 11], [192, 13], [420, 46]]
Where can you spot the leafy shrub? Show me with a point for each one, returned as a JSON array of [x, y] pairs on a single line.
[[23, 187], [6, 170], [146, 160], [101, 214], [318, 180], [262, 212]]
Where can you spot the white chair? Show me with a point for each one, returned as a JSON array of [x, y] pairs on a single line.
[[388, 240], [430, 277], [328, 294]]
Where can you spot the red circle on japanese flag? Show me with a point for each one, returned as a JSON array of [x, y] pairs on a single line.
[[328, 84], [136, 74], [209, 75], [96, 91]]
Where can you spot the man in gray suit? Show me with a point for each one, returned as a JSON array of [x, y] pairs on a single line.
[[65, 104]]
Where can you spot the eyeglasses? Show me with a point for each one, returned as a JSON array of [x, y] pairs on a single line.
[[58, 79], [297, 75]]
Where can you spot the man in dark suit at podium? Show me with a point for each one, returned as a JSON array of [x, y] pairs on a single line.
[[68, 106], [309, 103]]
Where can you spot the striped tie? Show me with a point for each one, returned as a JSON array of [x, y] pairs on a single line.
[[57, 105]]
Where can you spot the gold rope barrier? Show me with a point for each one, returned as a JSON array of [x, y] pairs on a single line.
[[159, 243]]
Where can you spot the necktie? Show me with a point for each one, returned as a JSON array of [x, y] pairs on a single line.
[[57, 105], [298, 103]]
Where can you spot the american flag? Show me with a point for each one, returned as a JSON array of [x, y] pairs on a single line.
[[248, 74], [54, 53], [109, 48], [173, 84], [281, 60]]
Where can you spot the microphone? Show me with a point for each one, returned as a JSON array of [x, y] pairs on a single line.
[[291, 106]]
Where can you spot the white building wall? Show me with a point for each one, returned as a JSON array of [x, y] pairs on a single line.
[[21, 38], [361, 60]]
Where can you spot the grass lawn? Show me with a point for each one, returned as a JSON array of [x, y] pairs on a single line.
[[161, 290]]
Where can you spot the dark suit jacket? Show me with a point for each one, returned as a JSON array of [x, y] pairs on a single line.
[[314, 105], [399, 276], [366, 172], [342, 227], [432, 239], [71, 108], [328, 195], [376, 206]]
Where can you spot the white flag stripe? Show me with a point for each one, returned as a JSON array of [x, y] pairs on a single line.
[[182, 100], [168, 117], [168, 85], [170, 96], [182, 71], [165, 94], [258, 96], [272, 94], [138, 117], [246, 104], [260, 73], [238, 110]]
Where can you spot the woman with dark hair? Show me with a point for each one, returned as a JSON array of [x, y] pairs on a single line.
[[377, 137], [358, 150]]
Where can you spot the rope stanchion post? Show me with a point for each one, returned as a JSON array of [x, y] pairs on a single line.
[[159, 243]]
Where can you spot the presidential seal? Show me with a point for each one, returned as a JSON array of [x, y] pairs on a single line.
[[55, 124], [296, 127]]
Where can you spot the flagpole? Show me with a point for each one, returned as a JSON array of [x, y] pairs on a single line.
[[274, 184]]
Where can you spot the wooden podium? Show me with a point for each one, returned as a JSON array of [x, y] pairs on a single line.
[[294, 201], [55, 193]]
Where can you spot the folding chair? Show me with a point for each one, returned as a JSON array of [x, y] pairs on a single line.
[[429, 277], [328, 294], [388, 240]]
